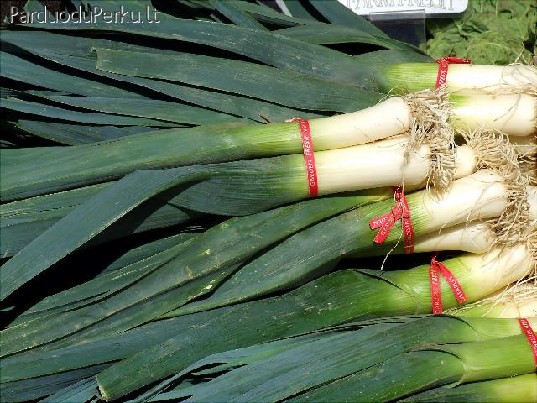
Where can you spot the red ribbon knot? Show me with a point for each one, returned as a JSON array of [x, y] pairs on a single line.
[[400, 211]]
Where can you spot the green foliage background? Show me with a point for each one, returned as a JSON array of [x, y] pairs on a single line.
[[489, 32]]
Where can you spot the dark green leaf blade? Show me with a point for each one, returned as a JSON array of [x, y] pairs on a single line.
[[53, 112], [248, 79], [18, 69], [236, 16], [72, 134], [75, 229]]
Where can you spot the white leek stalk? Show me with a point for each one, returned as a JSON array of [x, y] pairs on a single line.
[[481, 196], [474, 237], [477, 237], [513, 114], [489, 77], [473, 77], [497, 269], [517, 301], [382, 163]]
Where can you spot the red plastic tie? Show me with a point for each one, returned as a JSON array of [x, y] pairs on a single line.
[[443, 66], [436, 270], [309, 156], [530, 334], [400, 211]]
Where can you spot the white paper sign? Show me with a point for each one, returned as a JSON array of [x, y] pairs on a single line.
[[429, 7]]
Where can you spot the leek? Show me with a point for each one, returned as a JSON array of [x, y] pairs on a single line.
[[250, 186], [513, 114], [21, 221], [29, 172], [487, 268], [420, 76], [333, 299]]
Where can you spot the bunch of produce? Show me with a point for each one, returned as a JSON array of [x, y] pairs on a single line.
[[489, 31], [244, 203]]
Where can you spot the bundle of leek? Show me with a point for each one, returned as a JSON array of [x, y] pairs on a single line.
[[249, 186], [330, 300], [431, 366], [29, 172]]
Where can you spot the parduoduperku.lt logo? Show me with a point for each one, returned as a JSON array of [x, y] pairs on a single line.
[[85, 15]]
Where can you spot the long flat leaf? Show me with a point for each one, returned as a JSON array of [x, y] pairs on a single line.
[[18, 69], [76, 229], [81, 391], [31, 389], [53, 112], [24, 220], [132, 265], [218, 101], [263, 13], [72, 134], [236, 16], [333, 34], [263, 82], [147, 108], [146, 250]]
